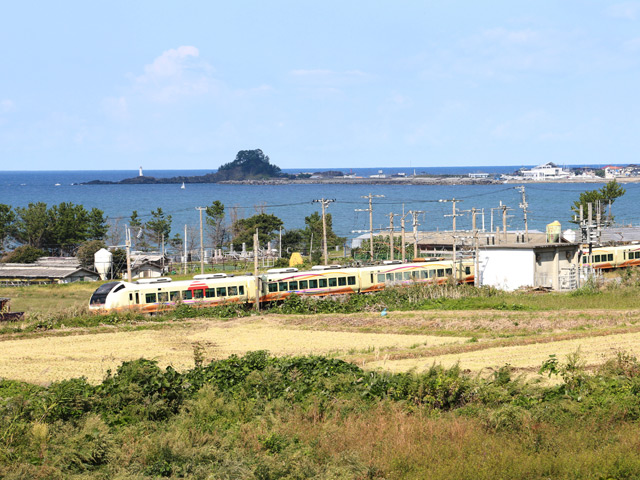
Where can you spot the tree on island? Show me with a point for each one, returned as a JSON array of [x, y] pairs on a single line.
[[248, 165]]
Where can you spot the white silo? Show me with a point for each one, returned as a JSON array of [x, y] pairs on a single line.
[[102, 261]]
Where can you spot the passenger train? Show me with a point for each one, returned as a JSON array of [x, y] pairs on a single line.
[[605, 258], [153, 295]]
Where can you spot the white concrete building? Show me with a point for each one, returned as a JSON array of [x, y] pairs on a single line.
[[547, 171], [512, 266]]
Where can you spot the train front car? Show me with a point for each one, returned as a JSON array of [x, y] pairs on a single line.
[[103, 298]]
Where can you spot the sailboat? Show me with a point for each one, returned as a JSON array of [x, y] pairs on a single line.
[[182, 187]]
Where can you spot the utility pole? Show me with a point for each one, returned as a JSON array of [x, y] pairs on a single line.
[[370, 210], [128, 247], [414, 214], [402, 217], [476, 267], [524, 205], [454, 212], [391, 215], [255, 270], [325, 203], [504, 222], [201, 241], [185, 249]]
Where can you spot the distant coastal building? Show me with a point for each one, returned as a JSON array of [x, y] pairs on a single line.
[[479, 175], [545, 171], [140, 172], [378, 175]]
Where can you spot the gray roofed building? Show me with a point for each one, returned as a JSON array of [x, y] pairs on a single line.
[[25, 273]]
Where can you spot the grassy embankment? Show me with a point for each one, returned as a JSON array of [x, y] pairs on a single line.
[[311, 417]]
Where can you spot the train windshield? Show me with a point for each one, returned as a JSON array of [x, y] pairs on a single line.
[[100, 295]]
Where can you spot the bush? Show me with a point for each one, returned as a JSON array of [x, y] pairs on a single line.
[[24, 254]]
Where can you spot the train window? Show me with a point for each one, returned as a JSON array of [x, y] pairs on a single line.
[[467, 270], [322, 283], [137, 298], [637, 255], [163, 297], [596, 258], [313, 283], [610, 257], [150, 298], [131, 297], [221, 292], [283, 286], [198, 293], [210, 292], [304, 284], [333, 282], [293, 285], [241, 290], [449, 271], [441, 272], [389, 277], [186, 295], [424, 274], [118, 288], [381, 278], [174, 296], [432, 273], [398, 276], [273, 287], [584, 259], [406, 275], [342, 281], [351, 280], [233, 291]]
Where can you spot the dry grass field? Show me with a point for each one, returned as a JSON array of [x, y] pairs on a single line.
[[53, 357], [476, 339], [401, 341]]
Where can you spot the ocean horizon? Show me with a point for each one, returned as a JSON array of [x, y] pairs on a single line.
[[293, 202]]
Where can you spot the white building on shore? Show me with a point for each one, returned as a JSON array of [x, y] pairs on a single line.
[[546, 171]]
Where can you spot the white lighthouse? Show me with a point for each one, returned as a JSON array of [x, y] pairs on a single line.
[[140, 172]]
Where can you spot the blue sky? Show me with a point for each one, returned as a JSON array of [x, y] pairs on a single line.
[[115, 85]]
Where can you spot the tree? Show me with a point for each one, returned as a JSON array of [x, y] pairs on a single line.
[[247, 165], [606, 196], [314, 225], [33, 225], [159, 226], [267, 225], [137, 231], [86, 252], [294, 240], [7, 224], [98, 227], [214, 219], [69, 224], [24, 254]]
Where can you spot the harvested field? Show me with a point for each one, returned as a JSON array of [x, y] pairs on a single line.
[[400, 341], [45, 359], [593, 351]]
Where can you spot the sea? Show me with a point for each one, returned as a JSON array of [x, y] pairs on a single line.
[[547, 202]]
